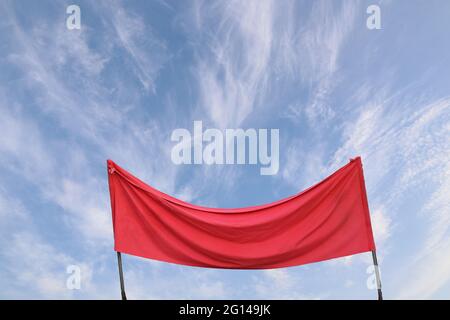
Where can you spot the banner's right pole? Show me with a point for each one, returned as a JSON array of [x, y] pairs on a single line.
[[377, 274], [122, 285]]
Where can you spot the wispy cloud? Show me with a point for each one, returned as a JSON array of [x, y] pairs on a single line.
[[310, 51], [243, 68], [280, 284], [55, 66], [71, 99], [430, 266], [36, 266], [415, 145], [31, 266], [90, 117], [320, 50], [232, 68], [148, 53]]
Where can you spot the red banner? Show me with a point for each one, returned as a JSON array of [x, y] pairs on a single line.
[[328, 220]]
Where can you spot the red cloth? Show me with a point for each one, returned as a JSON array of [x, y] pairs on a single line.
[[329, 220]]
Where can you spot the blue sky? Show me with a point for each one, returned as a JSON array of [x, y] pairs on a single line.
[[137, 70]]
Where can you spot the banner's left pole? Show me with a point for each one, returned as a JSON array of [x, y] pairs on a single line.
[[377, 275], [122, 286]]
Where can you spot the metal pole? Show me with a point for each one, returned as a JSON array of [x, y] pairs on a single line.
[[377, 274], [122, 286]]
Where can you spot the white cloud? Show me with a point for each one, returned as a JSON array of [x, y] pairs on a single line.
[[429, 269], [404, 139], [381, 226], [233, 67], [425, 276], [21, 140], [147, 52], [302, 169], [157, 280], [63, 173], [279, 284], [36, 265], [90, 214], [405, 152], [310, 50], [242, 68], [11, 210], [323, 44]]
